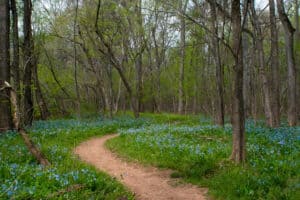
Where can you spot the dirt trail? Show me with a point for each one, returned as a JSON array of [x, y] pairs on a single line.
[[148, 183]]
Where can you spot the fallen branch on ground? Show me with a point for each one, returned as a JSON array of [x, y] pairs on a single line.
[[16, 121]]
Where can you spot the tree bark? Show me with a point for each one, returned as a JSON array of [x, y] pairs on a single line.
[[289, 47], [261, 60], [297, 24], [28, 63], [274, 53], [16, 52], [182, 7], [40, 100], [78, 105], [139, 59], [5, 109], [218, 64], [238, 119]]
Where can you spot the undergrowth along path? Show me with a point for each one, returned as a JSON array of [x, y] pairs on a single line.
[[147, 183]]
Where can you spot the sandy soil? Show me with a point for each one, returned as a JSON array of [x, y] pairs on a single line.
[[147, 183]]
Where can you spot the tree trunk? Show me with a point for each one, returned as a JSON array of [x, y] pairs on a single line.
[[289, 47], [261, 60], [139, 59], [297, 24], [5, 110], [16, 54], [182, 7], [238, 118], [40, 100], [274, 65], [75, 62], [28, 63], [218, 64]]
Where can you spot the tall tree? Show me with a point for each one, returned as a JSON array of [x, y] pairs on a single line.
[[289, 31], [258, 40], [238, 117], [297, 24], [274, 57], [75, 59], [40, 100], [182, 8], [16, 52], [218, 64], [139, 59], [28, 63], [5, 108]]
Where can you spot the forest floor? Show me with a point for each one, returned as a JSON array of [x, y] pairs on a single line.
[[145, 182]]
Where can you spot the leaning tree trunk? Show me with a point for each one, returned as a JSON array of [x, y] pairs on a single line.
[[289, 47], [28, 63], [238, 119], [40, 100], [5, 116], [274, 57]]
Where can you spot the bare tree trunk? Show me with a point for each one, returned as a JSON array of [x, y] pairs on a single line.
[[16, 54], [274, 65], [238, 117], [218, 64], [289, 46], [297, 18], [5, 109], [182, 7], [111, 93], [139, 59], [75, 62], [261, 60], [118, 97], [28, 63], [40, 100], [246, 62]]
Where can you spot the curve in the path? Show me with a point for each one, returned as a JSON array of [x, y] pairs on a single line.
[[148, 183]]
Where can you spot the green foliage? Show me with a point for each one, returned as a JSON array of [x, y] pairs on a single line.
[[22, 178], [199, 155]]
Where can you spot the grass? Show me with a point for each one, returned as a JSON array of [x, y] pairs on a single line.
[[22, 178], [198, 154], [196, 150]]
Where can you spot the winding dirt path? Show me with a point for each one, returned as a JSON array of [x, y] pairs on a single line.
[[148, 183]]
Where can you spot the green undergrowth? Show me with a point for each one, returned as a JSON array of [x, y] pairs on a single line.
[[22, 178], [199, 154], [196, 150]]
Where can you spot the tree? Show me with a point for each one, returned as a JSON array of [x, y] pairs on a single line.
[[5, 109], [274, 57], [28, 63], [258, 40], [16, 54], [218, 64], [289, 31], [75, 59], [139, 59], [238, 117], [40, 100], [182, 8]]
